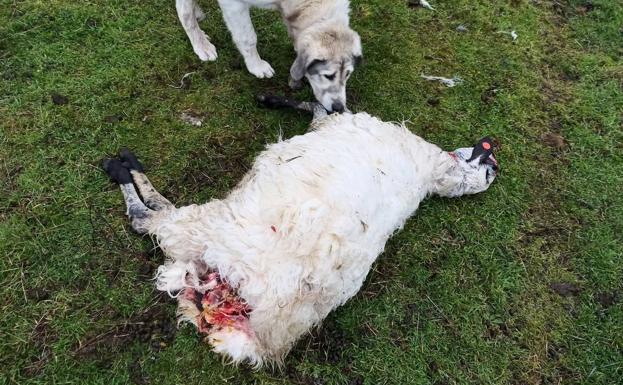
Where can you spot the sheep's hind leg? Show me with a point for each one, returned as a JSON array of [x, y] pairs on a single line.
[[153, 199], [140, 215]]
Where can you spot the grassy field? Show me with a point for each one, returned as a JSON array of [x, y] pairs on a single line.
[[522, 284]]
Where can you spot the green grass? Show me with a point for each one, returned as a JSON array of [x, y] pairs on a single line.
[[467, 293]]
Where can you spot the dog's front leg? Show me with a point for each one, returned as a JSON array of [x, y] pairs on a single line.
[[238, 19], [188, 12]]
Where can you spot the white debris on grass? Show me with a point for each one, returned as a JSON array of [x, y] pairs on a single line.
[[191, 118], [461, 28], [445, 81], [183, 80], [426, 5], [513, 34]]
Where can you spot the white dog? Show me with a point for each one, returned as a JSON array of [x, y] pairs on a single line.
[[327, 48], [297, 237]]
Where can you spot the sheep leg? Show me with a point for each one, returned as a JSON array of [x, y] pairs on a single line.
[[274, 102], [153, 199], [140, 215]]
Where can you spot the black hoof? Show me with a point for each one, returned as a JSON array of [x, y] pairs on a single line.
[[116, 171], [274, 101], [130, 161]]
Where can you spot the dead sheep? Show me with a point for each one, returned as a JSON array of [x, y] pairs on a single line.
[[296, 238]]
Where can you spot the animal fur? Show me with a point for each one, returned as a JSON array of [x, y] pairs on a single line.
[[297, 236], [327, 48]]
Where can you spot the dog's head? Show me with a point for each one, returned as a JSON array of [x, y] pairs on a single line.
[[327, 56]]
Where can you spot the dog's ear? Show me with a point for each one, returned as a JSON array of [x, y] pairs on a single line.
[[358, 60], [297, 71], [357, 50]]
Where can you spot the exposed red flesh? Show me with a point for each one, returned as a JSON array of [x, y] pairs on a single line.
[[219, 305]]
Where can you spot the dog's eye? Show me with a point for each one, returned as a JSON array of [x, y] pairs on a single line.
[[330, 77]]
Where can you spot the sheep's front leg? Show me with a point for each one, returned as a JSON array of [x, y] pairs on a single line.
[[274, 101], [318, 110], [140, 215]]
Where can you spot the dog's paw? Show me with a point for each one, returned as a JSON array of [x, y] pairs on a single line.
[[204, 49], [261, 69]]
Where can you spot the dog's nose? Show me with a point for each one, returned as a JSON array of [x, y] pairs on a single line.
[[337, 107]]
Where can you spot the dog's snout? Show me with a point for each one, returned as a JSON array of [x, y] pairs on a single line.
[[337, 107]]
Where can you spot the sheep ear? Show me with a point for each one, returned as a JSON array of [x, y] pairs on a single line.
[[297, 71]]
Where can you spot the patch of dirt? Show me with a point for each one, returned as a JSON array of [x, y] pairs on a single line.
[[408, 320], [155, 327], [585, 8], [562, 11], [42, 337], [59, 99], [552, 93], [192, 117], [299, 378], [495, 331], [607, 299], [489, 95], [39, 294], [554, 351], [148, 262], [329, 343], [432, 368], [405, 326], [356, 379], [12, 173], [555, 141], [115, 118], [136, 373], [325, 344], [92, 23], [565, 289], [433, 102]]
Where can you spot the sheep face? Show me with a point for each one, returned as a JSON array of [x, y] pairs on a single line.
[[476, 172]]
